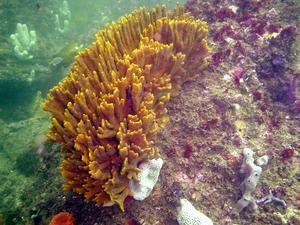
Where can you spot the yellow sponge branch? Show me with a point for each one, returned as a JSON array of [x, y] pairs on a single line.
[[108, 110]]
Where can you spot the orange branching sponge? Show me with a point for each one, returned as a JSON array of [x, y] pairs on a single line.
[[108, 110], [62, 218]]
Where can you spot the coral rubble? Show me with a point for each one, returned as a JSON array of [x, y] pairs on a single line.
[[108, 110]]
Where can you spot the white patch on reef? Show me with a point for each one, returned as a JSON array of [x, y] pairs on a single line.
[[189, 215], [147, 179]]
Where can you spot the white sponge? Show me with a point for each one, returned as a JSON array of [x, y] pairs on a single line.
[[188, 215], [147, 179]]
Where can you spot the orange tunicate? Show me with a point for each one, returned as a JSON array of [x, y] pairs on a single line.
[[62, 218]]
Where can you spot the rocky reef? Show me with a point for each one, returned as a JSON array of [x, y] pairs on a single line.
[[247, 98]]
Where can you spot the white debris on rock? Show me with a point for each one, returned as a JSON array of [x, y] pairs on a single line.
[[188, 215]]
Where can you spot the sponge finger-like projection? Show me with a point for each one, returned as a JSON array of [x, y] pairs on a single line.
[[108, 110]]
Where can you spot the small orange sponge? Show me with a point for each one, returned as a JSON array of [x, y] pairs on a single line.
[[62, 218]]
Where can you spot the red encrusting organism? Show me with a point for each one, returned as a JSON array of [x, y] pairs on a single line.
[[62, 218], [287, 153]]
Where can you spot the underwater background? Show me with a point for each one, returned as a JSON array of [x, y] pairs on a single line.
[[245, 101]]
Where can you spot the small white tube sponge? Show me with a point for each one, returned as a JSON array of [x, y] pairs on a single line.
[[62, 20], [23, 41], [147, 179], [58, 27], [188, 215]]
